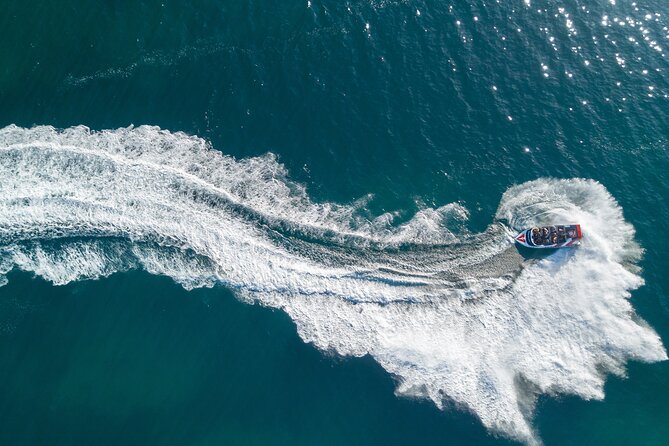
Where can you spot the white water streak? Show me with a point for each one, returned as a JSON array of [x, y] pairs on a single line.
[[457, 318]]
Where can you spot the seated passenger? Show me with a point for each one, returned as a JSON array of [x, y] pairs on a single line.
[[536, 236], [554, 239]]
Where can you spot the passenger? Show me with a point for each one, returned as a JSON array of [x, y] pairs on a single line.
[[543, 236], [554, 239], [536, 236]]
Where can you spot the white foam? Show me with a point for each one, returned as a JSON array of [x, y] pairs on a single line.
[[459, 318]]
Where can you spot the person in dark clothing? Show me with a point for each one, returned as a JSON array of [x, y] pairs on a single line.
[[536, 236]]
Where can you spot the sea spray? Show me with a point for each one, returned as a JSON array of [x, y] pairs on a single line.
[[454, 317]]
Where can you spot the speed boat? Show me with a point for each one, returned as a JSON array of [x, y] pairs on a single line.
[[559, 236]]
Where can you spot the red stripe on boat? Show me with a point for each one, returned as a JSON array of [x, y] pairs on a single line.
[[578, 231]]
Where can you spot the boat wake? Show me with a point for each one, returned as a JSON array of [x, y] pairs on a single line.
[[456, 318]]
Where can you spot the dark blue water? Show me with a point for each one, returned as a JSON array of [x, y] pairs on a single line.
[[419, 104]]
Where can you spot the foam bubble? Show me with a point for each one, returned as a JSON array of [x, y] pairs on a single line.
[[455, 317]]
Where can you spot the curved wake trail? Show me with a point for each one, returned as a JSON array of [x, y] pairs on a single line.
[[460, 318]]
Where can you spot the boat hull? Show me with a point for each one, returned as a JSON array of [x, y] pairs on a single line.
[[568, 236]]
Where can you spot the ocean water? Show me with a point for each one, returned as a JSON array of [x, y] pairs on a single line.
[[289, 222]]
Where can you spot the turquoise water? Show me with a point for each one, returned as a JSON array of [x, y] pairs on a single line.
[[376, 153]]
